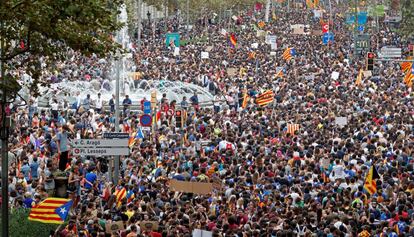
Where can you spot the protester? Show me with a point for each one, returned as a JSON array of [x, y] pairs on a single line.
[[297, 166]]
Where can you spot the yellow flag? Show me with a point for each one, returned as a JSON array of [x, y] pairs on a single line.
[[359, 78]]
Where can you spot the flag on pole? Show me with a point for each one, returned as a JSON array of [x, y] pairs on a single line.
[[292, 128], [265, 98], [370, 184], [359, 78], [233, 40], [120, 193], [245, 100], [289, 53], [51, 210]]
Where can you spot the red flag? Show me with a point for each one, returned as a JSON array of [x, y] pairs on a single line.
[[21, 44], [325, 28], [259, 6]]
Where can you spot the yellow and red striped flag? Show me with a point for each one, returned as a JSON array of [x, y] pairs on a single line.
[[406, 66], [120, 194], [359, 78], [51, 210], [310, 4], [408, 79], [289, 53], [245, 100], [370, 184], [265, 98], [292, 128]]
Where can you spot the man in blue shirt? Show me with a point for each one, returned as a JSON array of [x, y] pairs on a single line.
[[90, 178], [126, 103], [33, 168], [62, 145]]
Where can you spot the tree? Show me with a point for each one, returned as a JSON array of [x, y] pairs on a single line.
[[407, 23], [21, 226], [48, 28]]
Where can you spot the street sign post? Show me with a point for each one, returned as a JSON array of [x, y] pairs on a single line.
[[100, 143], [147, 107], [145, 120], [362, 43], [101, 151], [391, 52], [328, 37], [116, 135]]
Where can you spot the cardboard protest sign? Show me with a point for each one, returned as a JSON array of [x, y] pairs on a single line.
[[114, 227], [232, 71], [254, 45], [191, 187], [341, 121], [335, 75], [202, 233], [204, 55], [148, 225], [367, 74]]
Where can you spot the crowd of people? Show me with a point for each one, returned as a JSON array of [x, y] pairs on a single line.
[[269, 179]]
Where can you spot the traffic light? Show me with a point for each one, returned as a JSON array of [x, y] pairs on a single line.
[[178, 119], [370, 61]]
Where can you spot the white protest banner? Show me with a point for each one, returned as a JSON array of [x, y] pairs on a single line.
[[335, 75], [341, 121], [204, 55]]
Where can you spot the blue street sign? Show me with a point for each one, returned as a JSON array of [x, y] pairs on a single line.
[[327, 37], [146, 120], [361, 28], [362, 18], [412, 69], [147, 107]]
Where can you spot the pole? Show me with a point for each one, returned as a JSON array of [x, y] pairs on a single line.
[[355, 30], [139, 12], [267, 11], [165, 15], [4, 152], [116, 163], [188, 17]]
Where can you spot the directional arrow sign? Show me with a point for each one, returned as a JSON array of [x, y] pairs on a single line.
[[101, 151], [97, 143]]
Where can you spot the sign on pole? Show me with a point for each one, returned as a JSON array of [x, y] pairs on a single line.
[[328, 37], [100, 143], [391, 52], [118, 135], [147, 107], [145, 120], [362, 42], [101, 151]]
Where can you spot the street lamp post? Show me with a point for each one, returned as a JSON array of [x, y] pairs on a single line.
[[4, 152]]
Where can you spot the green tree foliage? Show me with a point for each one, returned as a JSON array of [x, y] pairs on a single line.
[[407, 23], [21, 226], [47, 28]]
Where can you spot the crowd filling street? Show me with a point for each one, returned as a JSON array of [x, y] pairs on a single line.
[[296, 166]]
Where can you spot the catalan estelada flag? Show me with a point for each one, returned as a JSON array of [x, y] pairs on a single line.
[[131, 140], [51, 210], [120, 193], [289, 53], [408, 79], [233, 40], [280, 73], [265, 98], [370, 184]]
